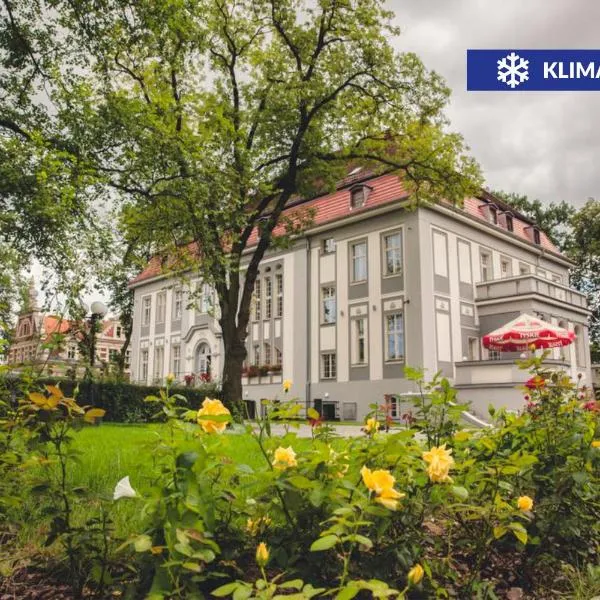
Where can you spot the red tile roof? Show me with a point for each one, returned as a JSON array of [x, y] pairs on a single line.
[[385, 189], [53, 324]]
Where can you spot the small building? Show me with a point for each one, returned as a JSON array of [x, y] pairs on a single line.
[[52, 342]]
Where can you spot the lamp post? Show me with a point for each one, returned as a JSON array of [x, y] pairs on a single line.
[[98, 310]]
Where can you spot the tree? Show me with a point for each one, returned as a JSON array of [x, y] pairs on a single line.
[[203, 119], [552, 218], [12, 292], [584, 250]]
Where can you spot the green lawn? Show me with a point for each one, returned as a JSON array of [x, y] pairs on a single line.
[[111, 451]]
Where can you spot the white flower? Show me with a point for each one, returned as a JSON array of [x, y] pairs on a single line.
[[123, 489]]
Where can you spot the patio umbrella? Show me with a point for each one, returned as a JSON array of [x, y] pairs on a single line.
[[525, 330]]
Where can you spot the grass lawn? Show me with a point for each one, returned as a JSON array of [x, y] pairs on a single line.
[[111, 451]]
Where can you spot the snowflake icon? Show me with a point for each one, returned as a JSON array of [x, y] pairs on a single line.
[[513, 70]]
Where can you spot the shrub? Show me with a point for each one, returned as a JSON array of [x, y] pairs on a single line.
[[124, 402]]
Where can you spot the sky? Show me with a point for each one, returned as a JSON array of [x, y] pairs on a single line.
[[542, 144]]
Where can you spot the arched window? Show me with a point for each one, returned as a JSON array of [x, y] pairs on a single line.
[[203, 359]]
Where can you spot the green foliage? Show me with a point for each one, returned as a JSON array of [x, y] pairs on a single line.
[[125, 402], [430, 510]]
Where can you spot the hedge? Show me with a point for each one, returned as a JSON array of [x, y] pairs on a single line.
[[122, 401]]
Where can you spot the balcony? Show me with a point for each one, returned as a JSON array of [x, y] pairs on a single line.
[[530, 287]]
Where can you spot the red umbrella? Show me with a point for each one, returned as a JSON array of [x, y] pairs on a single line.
[[524, 331]]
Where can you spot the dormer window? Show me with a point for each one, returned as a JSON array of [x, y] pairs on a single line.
[[493, 214], [536, 236], [509, 222], [357, 197]]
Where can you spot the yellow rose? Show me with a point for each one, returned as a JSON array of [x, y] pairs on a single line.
[[253, 527], [285, 458], [44, 402], [596, 444], [262, 554], [372, 425], [381, 482], [416, 574], [525, 503], [212, 407], [170, 378], [389, 498], [440, 462], [287, 384]]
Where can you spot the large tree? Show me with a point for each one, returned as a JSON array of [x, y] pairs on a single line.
[[203, 119], [584, 250]]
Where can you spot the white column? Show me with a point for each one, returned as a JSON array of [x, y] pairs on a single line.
[[342, 343], [315, 318], [287, 321]]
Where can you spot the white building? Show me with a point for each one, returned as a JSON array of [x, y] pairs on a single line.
[[371, 287]]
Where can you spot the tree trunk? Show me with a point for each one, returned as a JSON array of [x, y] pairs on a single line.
[[235, 354]]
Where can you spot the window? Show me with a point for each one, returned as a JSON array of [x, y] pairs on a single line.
[[278, 356], [509, 223], [328, 366], [127, 359], [329, 305], [119, 331], [328, 246], [146, 306], [161, 304], [279, 290], [72, 353], [494, 355], [393, 253], [177, 304], [176, 360], [25, 329], [524, 269], [159, 355], [473, 348], [486, 266], [505, 267], [357, 197], [359, 262], [440, 254], [394, 331], [359, 342], [536, 236], [206, 298], [268, 298], [257, 299], [113, 355], [256, 354], [203, 359], [144, 365], [494, 215], [267, 353], [464, 262]]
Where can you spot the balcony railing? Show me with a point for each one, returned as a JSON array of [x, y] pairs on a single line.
[[524, 285]]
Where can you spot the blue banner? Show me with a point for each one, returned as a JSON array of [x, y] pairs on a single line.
[[533, 70]]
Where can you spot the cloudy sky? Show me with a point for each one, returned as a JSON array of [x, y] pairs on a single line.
[[543, 144]]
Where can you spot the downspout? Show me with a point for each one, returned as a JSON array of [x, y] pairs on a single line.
[[308, 324]]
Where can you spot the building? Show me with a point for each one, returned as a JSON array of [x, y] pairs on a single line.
[[35, 332], [371, 287]]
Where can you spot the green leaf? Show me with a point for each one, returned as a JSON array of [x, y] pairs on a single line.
[[294, 584], [347, 592], [324, 543], [301, 482], [142, 543], [499, 531], [225, 590], [460, 492]]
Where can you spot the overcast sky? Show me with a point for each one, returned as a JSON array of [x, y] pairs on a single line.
[[543, 144]]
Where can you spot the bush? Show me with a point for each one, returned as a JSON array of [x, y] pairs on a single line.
[[124, 402]]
